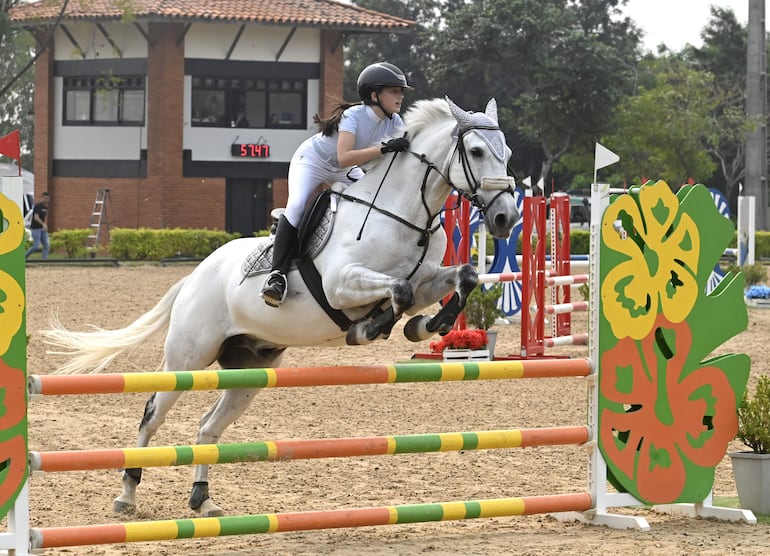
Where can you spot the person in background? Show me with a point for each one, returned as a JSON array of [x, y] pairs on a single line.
[[354, 134], [39, 228], [241, 120]]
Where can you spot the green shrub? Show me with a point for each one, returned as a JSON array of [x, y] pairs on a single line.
[[580, 242], [144, 244], [762, 245], [585, 291], [481, 310], [752, 273], [754, 418], [72, 242]]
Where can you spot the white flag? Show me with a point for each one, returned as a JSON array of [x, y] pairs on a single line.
[[604, 157], [527, 181]]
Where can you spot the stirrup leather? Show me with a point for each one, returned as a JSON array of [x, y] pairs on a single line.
[[274, 291]]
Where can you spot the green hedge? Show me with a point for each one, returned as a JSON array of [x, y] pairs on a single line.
[[145, 244]]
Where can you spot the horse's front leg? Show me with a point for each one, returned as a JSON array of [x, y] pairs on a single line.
[[359, 286], [462, 279]]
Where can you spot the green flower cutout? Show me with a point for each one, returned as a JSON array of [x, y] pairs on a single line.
[[667, 408]]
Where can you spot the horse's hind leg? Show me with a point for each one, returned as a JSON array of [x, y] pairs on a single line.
[[238, 352], [228, 407], [155, 412]]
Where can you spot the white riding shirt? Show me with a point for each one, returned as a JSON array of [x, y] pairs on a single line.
[[315, 161]]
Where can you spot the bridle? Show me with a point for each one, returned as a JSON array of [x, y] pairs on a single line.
[[473, 183]]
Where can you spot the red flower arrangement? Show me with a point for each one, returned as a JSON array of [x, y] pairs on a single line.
[[470, 338]]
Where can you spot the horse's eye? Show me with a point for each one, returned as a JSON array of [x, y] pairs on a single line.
[[477, 152]]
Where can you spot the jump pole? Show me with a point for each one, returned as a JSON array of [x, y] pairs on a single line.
[[167, 381], [51, 537], [283, 450]]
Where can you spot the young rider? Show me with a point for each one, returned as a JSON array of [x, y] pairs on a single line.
[[354, 134]]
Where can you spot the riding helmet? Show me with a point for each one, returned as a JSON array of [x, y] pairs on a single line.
[[376, 76]]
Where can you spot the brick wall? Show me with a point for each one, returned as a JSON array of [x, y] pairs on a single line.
[[43, 140], [167, 199]]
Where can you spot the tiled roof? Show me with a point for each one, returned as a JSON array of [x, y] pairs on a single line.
[[314, 13]]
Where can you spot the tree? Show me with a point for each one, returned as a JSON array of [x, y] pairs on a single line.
[[667, 130], [412, 51], [557, 68], [725, 44], [17, 46]]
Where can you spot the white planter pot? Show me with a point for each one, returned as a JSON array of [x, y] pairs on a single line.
[[491, 342], [457, 355], [466, 355], [479, 355], [752, 480]]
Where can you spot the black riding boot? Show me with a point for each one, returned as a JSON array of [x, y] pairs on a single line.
[[284, 248]]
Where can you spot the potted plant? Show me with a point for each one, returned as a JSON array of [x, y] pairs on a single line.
[[481, 311], [462, 345], [752, 468]]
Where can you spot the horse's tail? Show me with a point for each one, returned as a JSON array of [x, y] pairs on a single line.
[[91, 352]]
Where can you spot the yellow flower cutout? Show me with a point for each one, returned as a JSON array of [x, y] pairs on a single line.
[[11, 294], [11, 225], [662, 248]]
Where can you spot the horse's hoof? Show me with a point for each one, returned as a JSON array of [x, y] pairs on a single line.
[[209, 509], [120, 507], [414, 328]]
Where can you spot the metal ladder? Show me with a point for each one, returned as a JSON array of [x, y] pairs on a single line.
[[98, 219]]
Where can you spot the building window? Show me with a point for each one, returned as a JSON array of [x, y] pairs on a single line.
[[104, 100], [256, 103]]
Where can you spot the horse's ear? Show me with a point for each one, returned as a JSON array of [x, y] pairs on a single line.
[[491, 109], [463, 118]]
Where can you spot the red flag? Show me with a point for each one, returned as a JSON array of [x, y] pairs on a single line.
[[9, 146]]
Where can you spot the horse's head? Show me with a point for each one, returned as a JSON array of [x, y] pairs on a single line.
[[478, 167]]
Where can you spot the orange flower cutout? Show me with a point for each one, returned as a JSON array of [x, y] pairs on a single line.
[[663, 426]]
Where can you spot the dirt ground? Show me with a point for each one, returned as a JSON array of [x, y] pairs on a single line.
[[113, 297]]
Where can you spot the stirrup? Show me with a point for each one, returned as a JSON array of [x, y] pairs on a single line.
[[274, 291]]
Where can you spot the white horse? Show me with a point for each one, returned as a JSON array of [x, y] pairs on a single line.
[[382, 258]]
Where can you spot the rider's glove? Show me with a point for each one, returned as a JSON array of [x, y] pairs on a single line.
[[397, 145]]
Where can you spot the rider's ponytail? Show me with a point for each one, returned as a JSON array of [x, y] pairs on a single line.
[[329, 126]]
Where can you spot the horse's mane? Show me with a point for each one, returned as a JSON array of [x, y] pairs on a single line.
[[420, 115], [424, 113]]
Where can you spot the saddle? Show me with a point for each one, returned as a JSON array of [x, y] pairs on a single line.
[[314, 231]]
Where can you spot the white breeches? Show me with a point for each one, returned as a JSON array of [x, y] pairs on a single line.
[[306, 172]]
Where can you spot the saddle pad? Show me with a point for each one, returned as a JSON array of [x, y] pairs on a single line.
[[260, 260]]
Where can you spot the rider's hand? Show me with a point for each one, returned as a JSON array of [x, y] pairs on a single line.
[[396, 145]]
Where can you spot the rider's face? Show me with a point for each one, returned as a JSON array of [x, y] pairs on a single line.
[[391, 99]]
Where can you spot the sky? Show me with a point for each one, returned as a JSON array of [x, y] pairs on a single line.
[[678, 22]]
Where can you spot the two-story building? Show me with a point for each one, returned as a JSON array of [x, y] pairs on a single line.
[[188, 111]]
